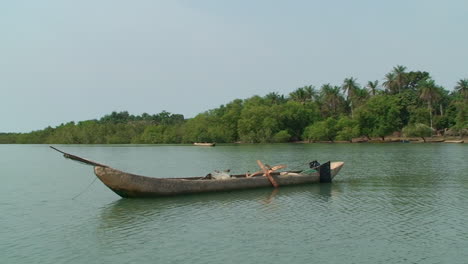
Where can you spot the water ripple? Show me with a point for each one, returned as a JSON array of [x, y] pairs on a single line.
[[390, 204]]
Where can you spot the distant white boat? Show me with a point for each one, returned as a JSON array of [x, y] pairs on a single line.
[[204, 144], [453, 141]]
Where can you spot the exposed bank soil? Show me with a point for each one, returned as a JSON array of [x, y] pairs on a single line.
[[435, 139]]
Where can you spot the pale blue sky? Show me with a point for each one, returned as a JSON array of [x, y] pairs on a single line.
[[69, 60]]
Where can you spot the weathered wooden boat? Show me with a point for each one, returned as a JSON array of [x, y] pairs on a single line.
[[129, 185], [204, 144], [454, 141]]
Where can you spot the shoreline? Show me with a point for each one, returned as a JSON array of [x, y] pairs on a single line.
[[360, 140], [436, 139]]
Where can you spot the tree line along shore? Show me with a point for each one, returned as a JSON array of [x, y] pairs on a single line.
[[404, 105]]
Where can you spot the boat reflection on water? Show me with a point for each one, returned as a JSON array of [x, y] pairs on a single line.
[[136, 212]]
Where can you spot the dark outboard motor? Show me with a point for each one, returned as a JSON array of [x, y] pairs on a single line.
[[314, 164], [324, 170]]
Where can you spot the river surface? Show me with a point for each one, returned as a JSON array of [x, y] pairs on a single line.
[[391, 203]]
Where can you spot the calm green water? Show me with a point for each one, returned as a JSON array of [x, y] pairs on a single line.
[[391, 203]]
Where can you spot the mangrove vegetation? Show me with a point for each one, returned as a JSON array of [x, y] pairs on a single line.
[[408, 102]]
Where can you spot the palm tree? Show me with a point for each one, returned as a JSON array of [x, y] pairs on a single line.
[[310, 91], [360, 97], [430, 93], [303, 94], [372, 86], [462, 88], [331, 99], [400, 76], [390, 82], [274, 98], [298, 95], [349, 87]]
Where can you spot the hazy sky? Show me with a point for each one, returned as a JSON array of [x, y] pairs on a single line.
[[69, 60]]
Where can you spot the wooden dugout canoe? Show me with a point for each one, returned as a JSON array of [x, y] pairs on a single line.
[[129, 185]]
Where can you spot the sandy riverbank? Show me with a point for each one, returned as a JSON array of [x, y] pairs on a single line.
[[435, 139]]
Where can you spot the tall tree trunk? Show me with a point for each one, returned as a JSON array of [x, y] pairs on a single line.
[[430, 114]]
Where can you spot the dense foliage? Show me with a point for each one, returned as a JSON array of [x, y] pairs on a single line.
[[417, 130], [410, 100]]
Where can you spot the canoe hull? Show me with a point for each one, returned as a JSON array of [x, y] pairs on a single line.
[[135, 186]]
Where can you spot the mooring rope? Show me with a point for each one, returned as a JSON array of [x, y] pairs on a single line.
[[95, 178], [301, 165]]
